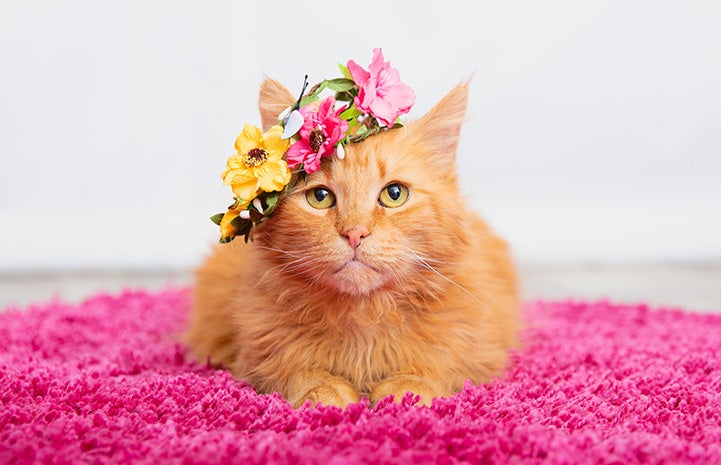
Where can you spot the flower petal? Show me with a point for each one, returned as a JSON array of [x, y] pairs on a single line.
[[357, 72], [234, 163], [250, 138], [274, 144], [245, 187], [298, 152], [237, 176], [226, 228], [401, 96], [384, 112], [273, 175], [312, 163], [377, 63]]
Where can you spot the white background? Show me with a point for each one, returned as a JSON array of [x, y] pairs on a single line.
[[594, 128]]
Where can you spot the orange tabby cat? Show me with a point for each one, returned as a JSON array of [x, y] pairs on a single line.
[[343, 293]]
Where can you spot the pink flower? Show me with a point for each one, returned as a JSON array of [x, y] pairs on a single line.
[[321, 131], [382, 94]]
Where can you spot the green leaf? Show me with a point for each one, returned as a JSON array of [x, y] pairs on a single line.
[[217, 218], [340, 84], [347, 96], [364, 132], [271, 201], [308, 99], [350, 114], [344, 71]]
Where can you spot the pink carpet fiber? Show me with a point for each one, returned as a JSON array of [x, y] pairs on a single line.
[[106, 381]]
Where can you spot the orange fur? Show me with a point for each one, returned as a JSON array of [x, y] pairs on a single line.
[[435, 303]]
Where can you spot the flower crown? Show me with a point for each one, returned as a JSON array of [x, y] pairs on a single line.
[[266, 165]]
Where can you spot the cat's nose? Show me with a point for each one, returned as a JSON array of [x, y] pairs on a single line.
[[355, 235]]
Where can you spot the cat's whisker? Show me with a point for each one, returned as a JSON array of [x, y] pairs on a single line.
[[425, 260], [410, 292], [279, 250], [402, 285], [307, 265], [312, 269], [420, 260], [300, 258]]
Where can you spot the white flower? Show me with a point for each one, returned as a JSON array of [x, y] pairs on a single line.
[[258, 206]]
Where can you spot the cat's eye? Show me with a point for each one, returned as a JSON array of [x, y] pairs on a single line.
[[393, 195], [320, 198]]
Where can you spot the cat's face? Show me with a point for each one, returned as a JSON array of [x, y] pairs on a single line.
[[380, 218]]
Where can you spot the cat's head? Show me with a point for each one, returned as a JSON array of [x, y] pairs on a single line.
[[387, 216]]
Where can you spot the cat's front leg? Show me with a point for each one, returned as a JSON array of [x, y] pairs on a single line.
[[398, 385], [320, 387]]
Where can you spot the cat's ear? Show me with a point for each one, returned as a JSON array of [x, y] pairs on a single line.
[[273, 98], [439, 130]]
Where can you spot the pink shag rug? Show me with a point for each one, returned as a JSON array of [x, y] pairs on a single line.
[[106, 382]]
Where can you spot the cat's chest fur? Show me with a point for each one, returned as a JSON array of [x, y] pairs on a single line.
[[364, 341]]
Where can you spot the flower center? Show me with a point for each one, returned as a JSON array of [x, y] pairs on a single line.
[[255, 157], [315, 139]]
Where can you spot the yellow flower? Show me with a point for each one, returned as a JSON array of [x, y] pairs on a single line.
[[227, 230], [258, 165]]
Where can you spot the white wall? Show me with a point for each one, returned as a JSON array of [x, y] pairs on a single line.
[[594, 128]]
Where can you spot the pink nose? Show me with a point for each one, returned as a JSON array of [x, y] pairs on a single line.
[[355, 235]]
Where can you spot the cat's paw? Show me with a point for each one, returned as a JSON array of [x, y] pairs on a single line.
[[331, 391], [399, 385]]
